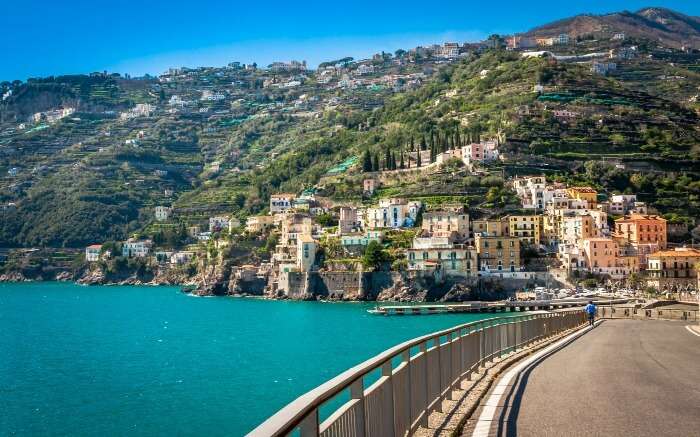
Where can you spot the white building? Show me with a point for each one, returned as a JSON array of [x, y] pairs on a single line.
[[181, 257], [162, 213], [136, 248], [306, 253], [217, 224], [92, 252], [393, 213], [603, 68], [281, 202]]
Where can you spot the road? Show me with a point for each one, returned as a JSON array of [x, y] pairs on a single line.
[[623, 378]]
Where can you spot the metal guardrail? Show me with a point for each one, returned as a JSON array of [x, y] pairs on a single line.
[[414, 378], [658, 313]]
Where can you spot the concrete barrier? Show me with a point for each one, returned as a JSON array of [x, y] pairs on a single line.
[[647, 314]]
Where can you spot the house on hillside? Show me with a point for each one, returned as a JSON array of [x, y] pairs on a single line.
[[92, 252]]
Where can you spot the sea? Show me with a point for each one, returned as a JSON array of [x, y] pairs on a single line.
[[141, 360]]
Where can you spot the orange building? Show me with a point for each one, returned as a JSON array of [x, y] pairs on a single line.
[[641, 230], [669, 269]]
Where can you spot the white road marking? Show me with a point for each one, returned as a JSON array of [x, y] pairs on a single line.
[[486, 418], [691, 330]]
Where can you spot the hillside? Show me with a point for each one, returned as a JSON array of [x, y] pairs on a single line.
[[107, 149], [668, 27]]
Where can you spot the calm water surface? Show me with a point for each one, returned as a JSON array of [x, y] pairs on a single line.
[[78, 360]]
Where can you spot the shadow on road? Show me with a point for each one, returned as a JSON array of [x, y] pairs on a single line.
[[508, 418]]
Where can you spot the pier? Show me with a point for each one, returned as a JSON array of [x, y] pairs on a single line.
[[489, 307]]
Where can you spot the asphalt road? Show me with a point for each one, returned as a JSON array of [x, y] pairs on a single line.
[[623, 378]]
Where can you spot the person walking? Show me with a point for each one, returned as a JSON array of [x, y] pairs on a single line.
[[590, 310]]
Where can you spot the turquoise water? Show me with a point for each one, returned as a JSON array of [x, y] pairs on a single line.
[[143, 361]]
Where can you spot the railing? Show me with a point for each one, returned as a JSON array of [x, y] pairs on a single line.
[[408, 382]]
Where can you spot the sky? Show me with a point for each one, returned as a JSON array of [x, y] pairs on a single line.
[[42, 38]]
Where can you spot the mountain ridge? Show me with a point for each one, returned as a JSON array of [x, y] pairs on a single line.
[[665, 25]]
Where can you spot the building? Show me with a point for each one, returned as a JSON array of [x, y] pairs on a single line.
[[638, 229], [306, 253], [621, 204], [445, 222], [294, 225], [256, 224], [162, 213], [182, 257], [484, 151], [218, 224], [562, 39], [532, 191], [393, 213], [673, 270], [493, 227], [92, 252], [136, 248], [498, 254], [586, 194], [528, 228], [369, 186], [281, 202], [349, 221], [357, 241], [441, 253], [601, 255], [603, 68], [520, 42]]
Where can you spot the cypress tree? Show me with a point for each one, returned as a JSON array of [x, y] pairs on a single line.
[[367, 162], [423, 145], [418, 163], [401, 165], [387, 159], [375, 164]]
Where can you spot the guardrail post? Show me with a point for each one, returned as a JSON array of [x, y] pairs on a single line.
[[357, 392], [388, 406], [309, 425]]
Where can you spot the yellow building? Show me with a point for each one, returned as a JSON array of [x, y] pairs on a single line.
[[494, 227], [583, 193], [497, 254], [443, 223], [528, 228]]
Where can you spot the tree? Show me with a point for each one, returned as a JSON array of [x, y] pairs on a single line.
[[373, 256], [418, 163], [239, 200], [375, 164], [326, 220], [367, 162], [401, 165]]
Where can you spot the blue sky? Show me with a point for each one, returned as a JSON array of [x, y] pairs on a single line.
[[40, 38]]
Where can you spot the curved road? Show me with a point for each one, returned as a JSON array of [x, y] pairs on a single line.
[[623, 378]]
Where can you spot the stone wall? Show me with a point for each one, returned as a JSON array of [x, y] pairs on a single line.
[[341, 285]]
